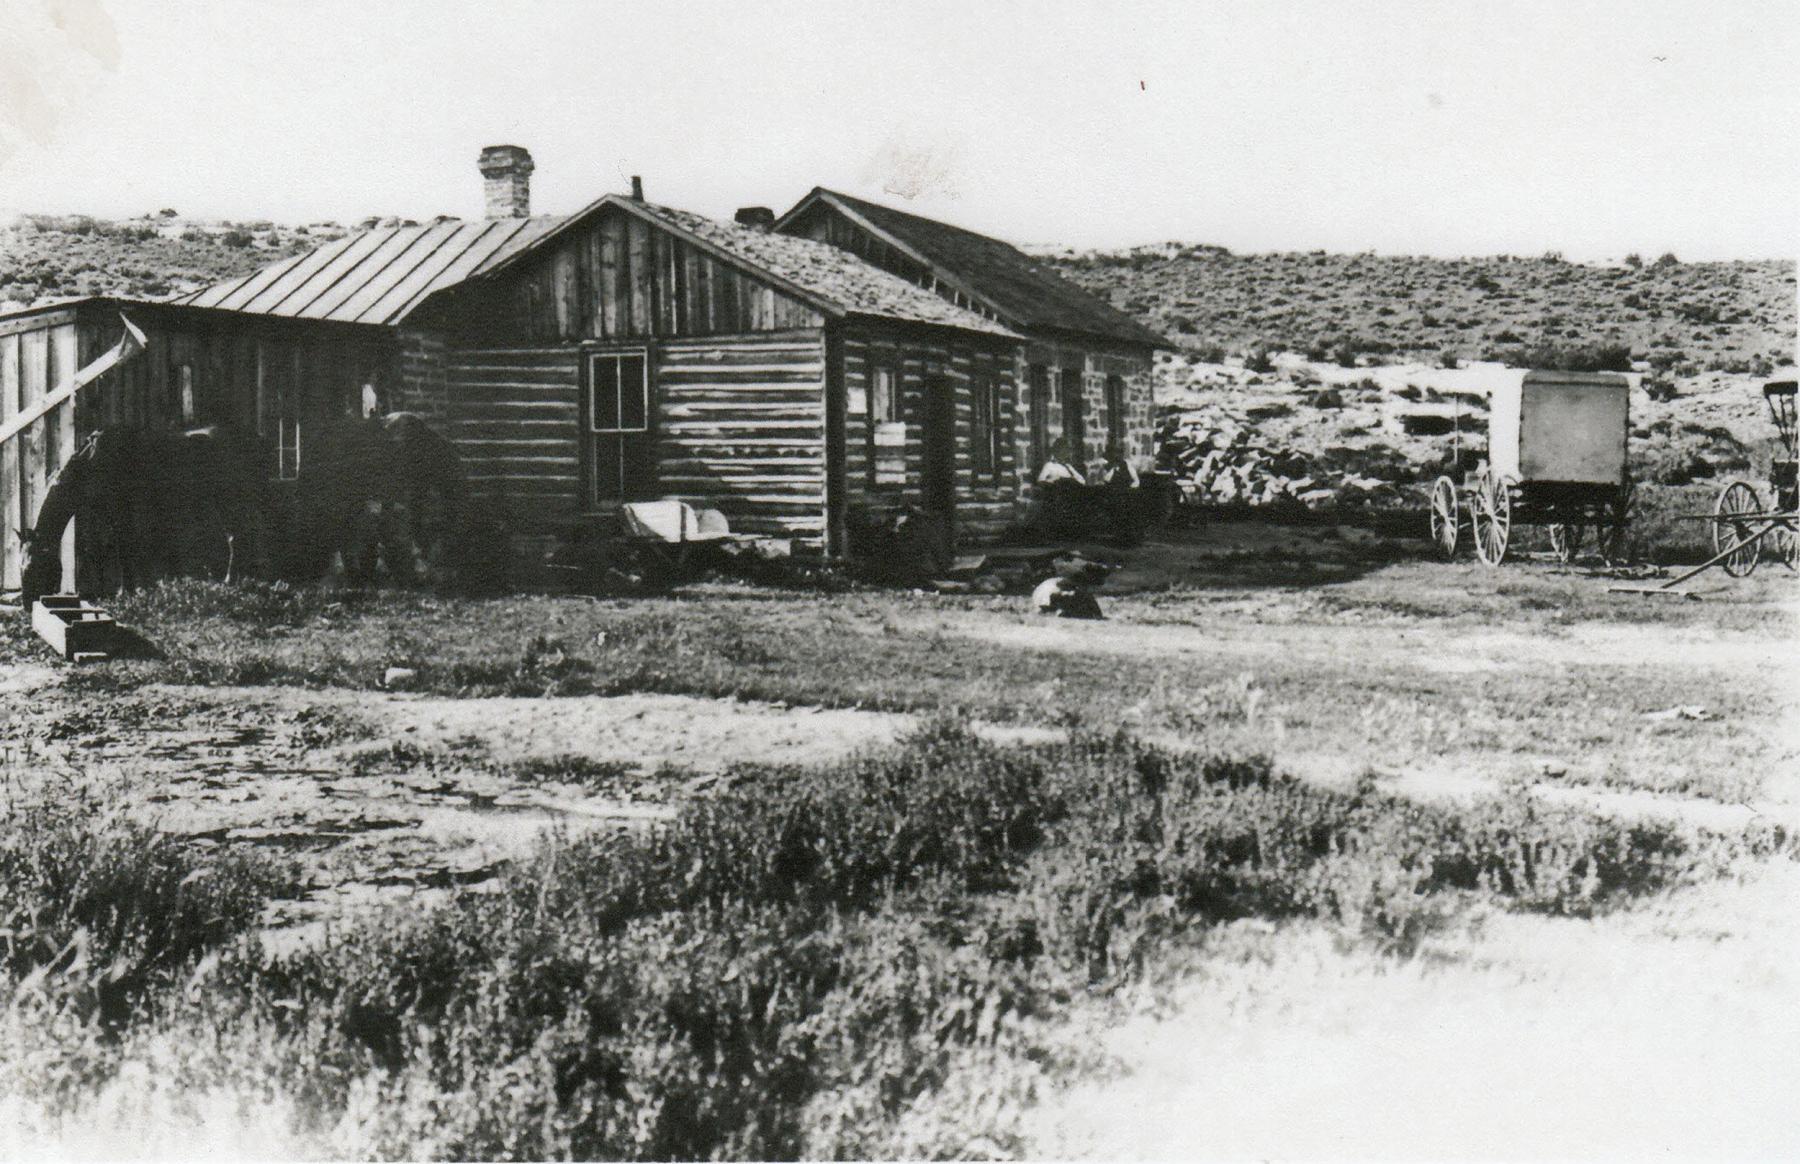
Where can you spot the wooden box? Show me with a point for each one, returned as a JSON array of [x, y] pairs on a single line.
[[77, 629]]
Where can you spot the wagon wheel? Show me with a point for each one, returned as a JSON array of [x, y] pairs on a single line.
[[1565, 540], [1609, 537], [1493, 519], [1444, 515], [1787, 543], [1731, 533]]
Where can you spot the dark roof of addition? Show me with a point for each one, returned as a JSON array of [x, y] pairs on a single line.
[[378, 275], [382, 275], [1020, 289]]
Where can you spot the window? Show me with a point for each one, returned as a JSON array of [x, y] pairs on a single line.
[[1038, 406], [1074, 416], [619, 448], [619, 392], [886, 421], [287, 449], [1116, 418], [184, 389], [277, 406], [984, 435]]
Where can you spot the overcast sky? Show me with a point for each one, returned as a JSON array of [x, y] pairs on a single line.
[[1443, 128]]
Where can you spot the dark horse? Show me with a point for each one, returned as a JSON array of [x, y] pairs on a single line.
[[151, 504], [381, 496]]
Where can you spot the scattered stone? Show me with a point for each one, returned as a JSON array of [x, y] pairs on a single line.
[[1689, 712], [395, 678]]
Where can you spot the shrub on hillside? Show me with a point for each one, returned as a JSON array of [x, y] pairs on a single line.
[[1590, 357], [236, 237]]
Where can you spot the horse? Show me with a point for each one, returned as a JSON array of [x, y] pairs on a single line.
[[151, 503], [376, 497], [379, 497]]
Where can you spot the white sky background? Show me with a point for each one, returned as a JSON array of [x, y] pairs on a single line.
[[1403, 127]]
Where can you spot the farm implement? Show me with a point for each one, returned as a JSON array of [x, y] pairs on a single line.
[[1744, 520]]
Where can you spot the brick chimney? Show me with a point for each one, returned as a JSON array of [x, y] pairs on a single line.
[[506, 181], [756, 217]]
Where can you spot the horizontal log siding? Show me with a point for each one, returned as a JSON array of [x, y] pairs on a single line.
[[514, 415], [742, 429], [618, 277], [984, 507], [739, 425]]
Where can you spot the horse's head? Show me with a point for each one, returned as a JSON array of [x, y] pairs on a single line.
[[40, 565]]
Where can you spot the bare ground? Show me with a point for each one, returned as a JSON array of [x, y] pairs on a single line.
[[1667, 1028]]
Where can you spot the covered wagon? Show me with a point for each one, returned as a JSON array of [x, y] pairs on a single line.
[[1556, 457]]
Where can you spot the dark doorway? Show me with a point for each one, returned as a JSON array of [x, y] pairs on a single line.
[[937, 483], [1074, 417]]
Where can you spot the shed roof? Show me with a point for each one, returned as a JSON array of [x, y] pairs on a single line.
[[378, 275], [1023, 291], [381, 276]]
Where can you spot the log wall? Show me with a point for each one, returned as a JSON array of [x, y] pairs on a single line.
[[737, 425], [984, 505]]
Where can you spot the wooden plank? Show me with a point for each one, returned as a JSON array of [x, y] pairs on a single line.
[[637, 242], [38, 322], [34, 360], [12, 516], [614, 279], [527, 355]]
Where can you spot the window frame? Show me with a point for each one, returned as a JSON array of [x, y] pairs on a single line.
[[1117, 429], [590, 413], [877, 362], [985, 444], [287, 461]]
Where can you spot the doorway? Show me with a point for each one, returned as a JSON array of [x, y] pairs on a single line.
[[937, 484]]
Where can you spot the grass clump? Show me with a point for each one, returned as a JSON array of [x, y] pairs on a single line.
[[797, 965], [101, 921]]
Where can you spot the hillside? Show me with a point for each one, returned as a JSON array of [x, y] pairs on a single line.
[[1678, 318], [47, 256]]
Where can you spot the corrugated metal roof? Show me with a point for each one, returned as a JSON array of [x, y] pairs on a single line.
[[375, 276]]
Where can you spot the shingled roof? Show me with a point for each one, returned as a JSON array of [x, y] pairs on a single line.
[[381, 276], [1018, 288], [829, 276]]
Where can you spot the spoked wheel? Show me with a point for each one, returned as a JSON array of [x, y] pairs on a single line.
[[1493, 519], [1787, 543], [1444, 516], [1732, 532], [1609, 537], [1565, 540]]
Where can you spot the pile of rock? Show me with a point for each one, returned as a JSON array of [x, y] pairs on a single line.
[[1219, 462]]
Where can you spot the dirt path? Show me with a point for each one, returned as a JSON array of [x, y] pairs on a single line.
[[1668, 1031], [380, 796]]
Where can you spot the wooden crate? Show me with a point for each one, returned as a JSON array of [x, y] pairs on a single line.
[[78, 630]]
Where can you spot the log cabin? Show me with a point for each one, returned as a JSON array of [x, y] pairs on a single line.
[[1084, 370], [784, 374]]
